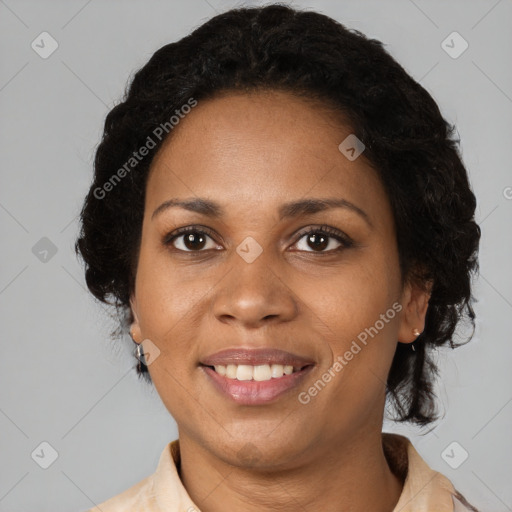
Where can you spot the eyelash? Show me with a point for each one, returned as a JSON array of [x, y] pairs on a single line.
[[345, 241]]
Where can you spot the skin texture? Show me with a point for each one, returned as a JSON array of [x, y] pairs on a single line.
[[251, 153]]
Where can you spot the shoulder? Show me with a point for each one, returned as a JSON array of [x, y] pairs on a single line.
[[424, 489], [460, 504], [148, 493], [133, 498]]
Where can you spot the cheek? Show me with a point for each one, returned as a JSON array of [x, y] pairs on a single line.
[[358, 313], [165, 294], [358, 326], [353, 298], [170, 309]]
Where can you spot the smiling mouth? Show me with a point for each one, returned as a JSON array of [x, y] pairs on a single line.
[[258, 373], [255, 376]]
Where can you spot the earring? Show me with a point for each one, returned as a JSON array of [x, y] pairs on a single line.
[[140, 354], [416, 332]]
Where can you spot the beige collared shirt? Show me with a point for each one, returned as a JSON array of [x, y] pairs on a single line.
[[425, 490]]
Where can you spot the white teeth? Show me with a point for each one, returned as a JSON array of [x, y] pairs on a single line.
[[244, 372], [231, 371], [220, 369], [277, 370], [260, 373]]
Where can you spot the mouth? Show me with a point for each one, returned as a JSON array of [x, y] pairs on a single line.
[[258, 373], [252, 377]]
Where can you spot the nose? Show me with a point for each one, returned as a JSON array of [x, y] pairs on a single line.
[[254, 294]]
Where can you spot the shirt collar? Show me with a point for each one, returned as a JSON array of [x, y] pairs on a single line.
[[424, 489]]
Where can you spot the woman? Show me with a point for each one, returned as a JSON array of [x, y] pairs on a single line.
[[282, 218]]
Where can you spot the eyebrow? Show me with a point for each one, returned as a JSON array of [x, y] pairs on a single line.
[[288, 210]]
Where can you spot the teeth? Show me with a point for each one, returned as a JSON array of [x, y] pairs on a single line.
[[258, 373], [221, 370], [244, 372], [230, 371], [288, 370], [277, 370], [261, 372]]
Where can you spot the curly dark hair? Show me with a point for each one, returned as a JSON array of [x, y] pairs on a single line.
[[407, 141]]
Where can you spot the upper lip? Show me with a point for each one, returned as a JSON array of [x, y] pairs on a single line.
[[255, 357]]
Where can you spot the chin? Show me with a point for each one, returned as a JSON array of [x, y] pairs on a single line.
[[252, 449]]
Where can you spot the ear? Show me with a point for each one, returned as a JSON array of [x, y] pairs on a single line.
[[135, 327], [415, 303]]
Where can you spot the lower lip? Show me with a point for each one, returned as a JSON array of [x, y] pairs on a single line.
[[251, 392]]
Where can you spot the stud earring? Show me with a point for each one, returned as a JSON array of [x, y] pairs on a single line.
[[416, 332]]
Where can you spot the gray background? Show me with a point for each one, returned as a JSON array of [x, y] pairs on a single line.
[[65, 383]]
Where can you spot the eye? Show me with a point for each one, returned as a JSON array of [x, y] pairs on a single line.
[[191, 239], [321, 238]]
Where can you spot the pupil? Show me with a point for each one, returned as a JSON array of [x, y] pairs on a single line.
[[320, 244], [192, 240]]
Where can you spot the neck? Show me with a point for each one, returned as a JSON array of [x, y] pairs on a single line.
[[358, 467]]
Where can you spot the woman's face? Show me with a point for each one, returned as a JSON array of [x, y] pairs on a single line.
[[249, 289]]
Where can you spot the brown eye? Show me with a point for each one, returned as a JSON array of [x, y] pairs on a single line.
[[323, 240], [194, 241], [190, 239], [317, 241]]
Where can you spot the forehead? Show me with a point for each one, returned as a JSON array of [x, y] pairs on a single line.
[[267, 147]]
